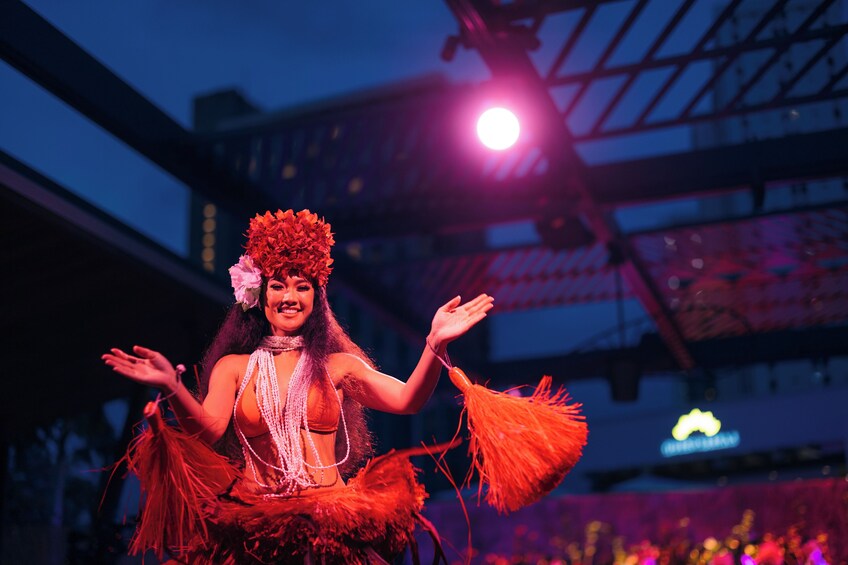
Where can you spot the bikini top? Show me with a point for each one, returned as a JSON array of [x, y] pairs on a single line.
[[322, 410]]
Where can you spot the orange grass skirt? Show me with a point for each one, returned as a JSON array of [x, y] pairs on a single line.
[[373, 517], [197, 509]]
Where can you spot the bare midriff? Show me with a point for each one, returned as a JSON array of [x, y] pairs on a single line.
[[325, 445]]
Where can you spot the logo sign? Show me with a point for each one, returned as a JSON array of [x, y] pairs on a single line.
[[709, 436]]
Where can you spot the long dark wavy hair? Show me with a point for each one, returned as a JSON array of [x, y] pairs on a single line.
[[241, 332]]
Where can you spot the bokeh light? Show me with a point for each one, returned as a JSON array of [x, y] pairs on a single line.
[[498, 129]]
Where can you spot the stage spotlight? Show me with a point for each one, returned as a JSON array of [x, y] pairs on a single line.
[[498, 128]]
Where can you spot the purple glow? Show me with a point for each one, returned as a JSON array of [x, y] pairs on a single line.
[[747, 560], [817, 558]]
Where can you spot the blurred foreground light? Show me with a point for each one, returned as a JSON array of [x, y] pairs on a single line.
[[498, 128]]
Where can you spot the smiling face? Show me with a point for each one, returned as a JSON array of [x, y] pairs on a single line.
[[288, 303]]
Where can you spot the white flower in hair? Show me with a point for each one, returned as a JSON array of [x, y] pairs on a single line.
[[246, 279]]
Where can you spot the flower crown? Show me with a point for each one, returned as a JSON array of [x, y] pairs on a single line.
[[279, 245]]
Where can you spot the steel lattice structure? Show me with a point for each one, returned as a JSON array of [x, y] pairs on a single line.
[[411, 198]]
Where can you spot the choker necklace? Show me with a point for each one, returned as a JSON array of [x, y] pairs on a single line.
[[279, 343]]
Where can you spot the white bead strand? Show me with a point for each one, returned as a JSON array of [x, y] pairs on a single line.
[[284, 424]]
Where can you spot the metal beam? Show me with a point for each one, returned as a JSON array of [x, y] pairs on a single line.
[[716, 53], [479, 249], [775, 56], [705, 40], [608, 51], [507, 60], [441, 213], [691, 174], [37, 49], [825, 94], [32, 45], [651, 357], [795, 158], [735, 220], [726, 63], [536, 8], [698, 173], [657, 43], [48, 198]]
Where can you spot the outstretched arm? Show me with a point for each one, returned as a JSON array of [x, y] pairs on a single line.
[[381, 392], [208, 420]]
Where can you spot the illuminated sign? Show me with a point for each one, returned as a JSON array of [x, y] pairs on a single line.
[[683, 442], [696, 421]]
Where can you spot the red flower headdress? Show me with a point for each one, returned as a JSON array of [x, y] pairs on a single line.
[[289, 243], [279, 245]]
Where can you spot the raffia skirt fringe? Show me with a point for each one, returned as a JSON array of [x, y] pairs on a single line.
[[195, 509], [371, 519]]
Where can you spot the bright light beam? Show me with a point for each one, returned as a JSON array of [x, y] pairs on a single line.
[[498, 129]]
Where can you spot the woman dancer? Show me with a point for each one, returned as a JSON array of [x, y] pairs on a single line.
[[290, 384]]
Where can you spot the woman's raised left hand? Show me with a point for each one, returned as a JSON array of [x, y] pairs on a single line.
[[454, 318]]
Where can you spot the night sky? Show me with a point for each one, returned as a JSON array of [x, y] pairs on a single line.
[[279, 54]]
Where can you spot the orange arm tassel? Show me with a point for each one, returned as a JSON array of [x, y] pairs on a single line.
[[521, 447]]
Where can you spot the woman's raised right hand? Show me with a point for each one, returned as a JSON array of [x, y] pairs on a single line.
[[146, 366]]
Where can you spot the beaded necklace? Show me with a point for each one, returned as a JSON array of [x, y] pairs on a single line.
[[280, 343], [284, 422]]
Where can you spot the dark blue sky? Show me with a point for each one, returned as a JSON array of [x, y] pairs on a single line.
[[280, 54]]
